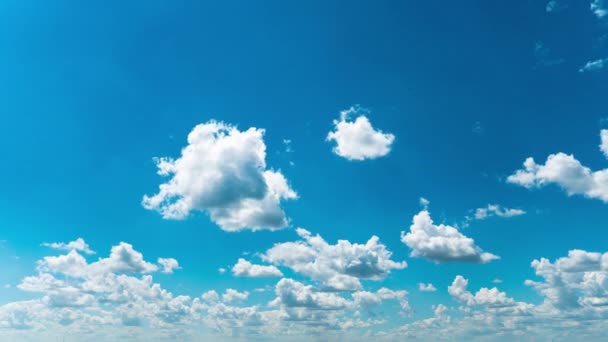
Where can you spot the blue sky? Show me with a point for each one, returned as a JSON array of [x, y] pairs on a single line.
[[283, 129]]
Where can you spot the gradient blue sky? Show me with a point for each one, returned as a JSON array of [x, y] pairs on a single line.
[[91, 92]]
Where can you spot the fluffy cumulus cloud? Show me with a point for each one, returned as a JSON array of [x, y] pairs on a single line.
[[442, 243], [496, 210], [358, 139], [338, 267], [565, 171], [222, 171], [244, 268], [115, 297], [77, 245]]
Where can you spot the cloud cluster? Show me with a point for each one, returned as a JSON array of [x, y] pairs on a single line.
[[441, 243], [222, 171], [358, 140], [337, 267]]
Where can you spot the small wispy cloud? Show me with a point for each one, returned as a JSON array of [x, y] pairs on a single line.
[[594, 66]]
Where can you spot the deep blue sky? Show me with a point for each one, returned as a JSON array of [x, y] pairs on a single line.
[[92, 91]]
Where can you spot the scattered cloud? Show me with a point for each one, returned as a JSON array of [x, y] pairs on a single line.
[[599, 8], [426, 287], [441, 243], [76, 245], [358, 140], [337, 267], [244, 268], [497, 281], [222, 171]]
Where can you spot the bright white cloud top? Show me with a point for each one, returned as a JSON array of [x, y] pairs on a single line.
[[442, 243], [565, 171], [358, 140], [222, 171]]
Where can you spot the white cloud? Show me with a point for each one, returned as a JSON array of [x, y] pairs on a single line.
[[221, 270], [567, 172], [496, 210], [292, 293], [578, 282], [441, 243], [337, 267], [211, 296], [244, 268], [595, 65], [78, 245], [488, 297], [232, 295], [222, 171], [599, 8], [426, 287], [358, 140], [424, 203], [604, 143], [168, 265], [497, 281]]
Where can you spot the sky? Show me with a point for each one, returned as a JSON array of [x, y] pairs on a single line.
[[304, 171]]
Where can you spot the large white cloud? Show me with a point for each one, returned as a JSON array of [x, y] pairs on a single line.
[[565, 171], [441, 243], [222, 171], [336, 267], [358, 140]]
